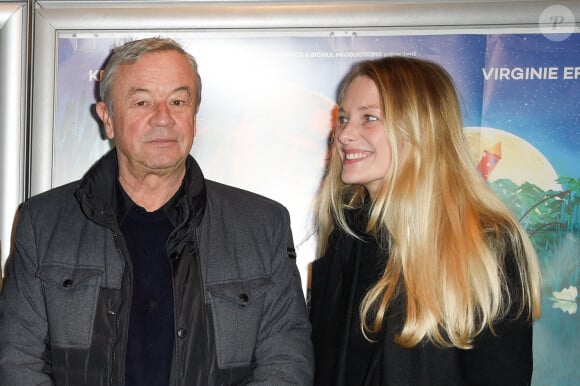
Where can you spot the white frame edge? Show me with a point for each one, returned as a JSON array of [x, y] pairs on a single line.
[[13, 102]]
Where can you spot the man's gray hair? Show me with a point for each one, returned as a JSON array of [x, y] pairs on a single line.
[[129, 53]]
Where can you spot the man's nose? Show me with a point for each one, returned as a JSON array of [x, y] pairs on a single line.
[[162, 115]]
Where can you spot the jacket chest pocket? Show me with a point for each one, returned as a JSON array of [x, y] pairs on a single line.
[[71, 297], [237, 308]]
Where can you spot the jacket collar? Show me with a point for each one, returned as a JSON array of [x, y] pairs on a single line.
[[100, 201]]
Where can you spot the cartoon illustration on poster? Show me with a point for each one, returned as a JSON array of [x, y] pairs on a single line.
[[266, 115]]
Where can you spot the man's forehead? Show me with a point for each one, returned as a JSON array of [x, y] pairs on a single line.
[[150, 71]]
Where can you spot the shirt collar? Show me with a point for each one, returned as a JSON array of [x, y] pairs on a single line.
[[125, 203]]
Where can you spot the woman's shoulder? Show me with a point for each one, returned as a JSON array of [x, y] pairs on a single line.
[[335, 238]]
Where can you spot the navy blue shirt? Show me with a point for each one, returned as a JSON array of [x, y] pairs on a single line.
[[151, 326]]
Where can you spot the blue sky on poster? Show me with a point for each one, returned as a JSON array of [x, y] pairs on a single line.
[[545, 112]]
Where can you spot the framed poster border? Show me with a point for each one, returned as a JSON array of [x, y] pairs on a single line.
[[13, 115]]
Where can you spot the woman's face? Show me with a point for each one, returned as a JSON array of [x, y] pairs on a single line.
[[361, 138]]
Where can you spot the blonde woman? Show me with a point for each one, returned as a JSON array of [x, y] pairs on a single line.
[[424, 276]]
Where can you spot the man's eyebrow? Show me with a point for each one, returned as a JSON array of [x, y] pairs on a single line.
[[134, 91], [183, 88], [187, 89]]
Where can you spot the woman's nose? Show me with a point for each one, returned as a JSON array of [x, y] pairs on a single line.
[[346, 133]]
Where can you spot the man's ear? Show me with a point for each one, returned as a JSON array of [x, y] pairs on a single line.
[[105, 116]]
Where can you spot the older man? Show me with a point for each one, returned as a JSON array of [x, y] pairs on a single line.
[[143, 272]]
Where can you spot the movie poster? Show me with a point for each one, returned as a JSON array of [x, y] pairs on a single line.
[[266, 116]]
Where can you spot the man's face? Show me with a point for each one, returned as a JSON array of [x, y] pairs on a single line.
[[153, 123]]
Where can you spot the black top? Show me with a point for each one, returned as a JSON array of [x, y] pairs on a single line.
[[342, 358], [371, 265], [151, 326]]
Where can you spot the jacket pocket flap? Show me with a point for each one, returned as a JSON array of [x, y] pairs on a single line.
[[67, 277], [242, 292]]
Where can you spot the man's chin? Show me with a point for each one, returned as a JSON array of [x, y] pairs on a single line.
[[164, 165]]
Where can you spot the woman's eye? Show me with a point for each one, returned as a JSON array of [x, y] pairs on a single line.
[[371, 118], [342, 119]]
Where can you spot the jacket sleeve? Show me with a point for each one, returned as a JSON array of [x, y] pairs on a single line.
[[284, 354], [23, 326]]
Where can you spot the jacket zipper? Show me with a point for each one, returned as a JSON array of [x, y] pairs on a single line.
[[176, 359], [125, 281], [201, 287]]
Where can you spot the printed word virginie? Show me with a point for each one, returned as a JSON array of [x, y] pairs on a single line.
[[531, 73]]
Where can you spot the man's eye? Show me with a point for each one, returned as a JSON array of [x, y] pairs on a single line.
[[140, 103], [178, 103]]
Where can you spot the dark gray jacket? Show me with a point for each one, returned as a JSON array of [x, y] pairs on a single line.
[[64, 307]]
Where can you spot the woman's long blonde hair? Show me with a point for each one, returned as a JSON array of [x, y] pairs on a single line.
[[447, 233]]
